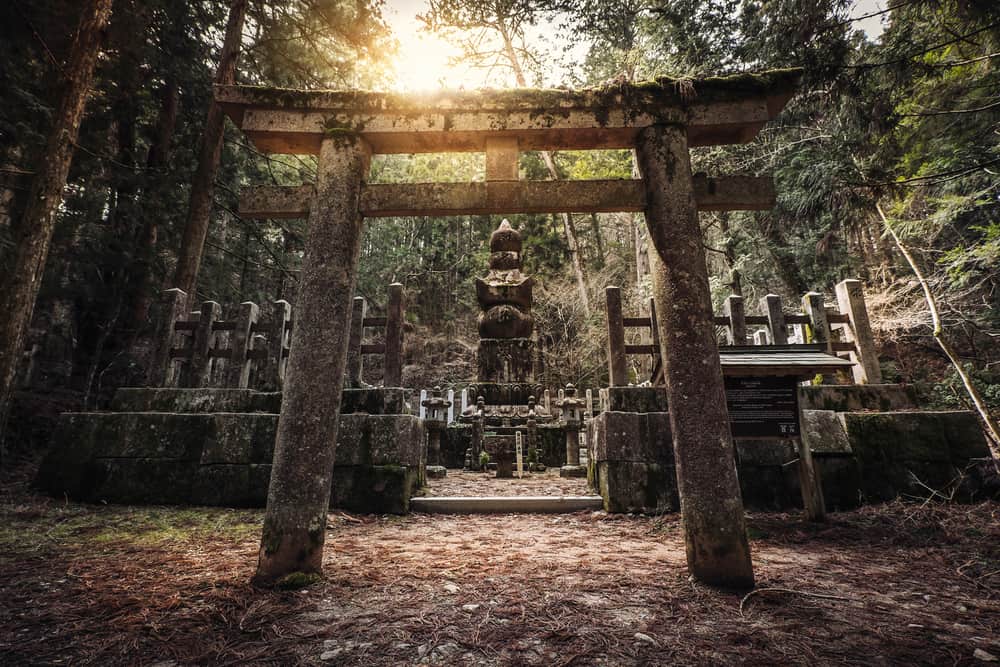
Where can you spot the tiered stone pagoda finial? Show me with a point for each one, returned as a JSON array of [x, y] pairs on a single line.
[[506, 324]]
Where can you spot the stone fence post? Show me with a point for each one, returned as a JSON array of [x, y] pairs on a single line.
[[734, 309], [355, 364], [617, 368], [237, 373], [812, 305], [851, 300], [271, 368], [172, 306], [771, 305], [199, 366], [394, 337]]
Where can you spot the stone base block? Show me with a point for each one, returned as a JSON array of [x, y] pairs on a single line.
[[375, 401], [139, 481], [223, 459], [856, 397], [930, 437], [765, 487], [627, 486], [631, 436], [636, 399], [823, 431], [375, 489], [573, 471], [131, 399], [436, 472], [380, 440]]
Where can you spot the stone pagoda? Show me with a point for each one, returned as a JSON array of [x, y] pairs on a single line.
[[506, 389], [506, 347]]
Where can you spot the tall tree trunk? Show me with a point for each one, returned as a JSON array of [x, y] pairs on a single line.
[[148, 233], [203, 187], [735, 280], [34, 233], [550, 165], [595, 226]]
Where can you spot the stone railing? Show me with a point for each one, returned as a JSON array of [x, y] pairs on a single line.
[[391, 349], [249, 347], [844, 329], [202, 349]]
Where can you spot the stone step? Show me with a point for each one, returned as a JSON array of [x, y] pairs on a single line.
[[505, 504]]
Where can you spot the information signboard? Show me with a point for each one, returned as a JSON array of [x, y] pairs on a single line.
[[763, 407]]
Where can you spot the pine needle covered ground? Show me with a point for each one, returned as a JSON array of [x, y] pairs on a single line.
[[894, 584]]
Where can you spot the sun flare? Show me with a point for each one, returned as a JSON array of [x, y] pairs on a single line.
[[424, 59]]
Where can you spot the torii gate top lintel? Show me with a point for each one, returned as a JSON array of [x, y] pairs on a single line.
[[716, 110]]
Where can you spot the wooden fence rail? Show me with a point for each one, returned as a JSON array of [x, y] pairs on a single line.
[[250, 349], [844, 330]]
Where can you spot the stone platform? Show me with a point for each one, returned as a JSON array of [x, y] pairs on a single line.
[[214, 447], [870, 443]]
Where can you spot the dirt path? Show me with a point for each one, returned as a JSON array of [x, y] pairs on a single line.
[[111, 585]]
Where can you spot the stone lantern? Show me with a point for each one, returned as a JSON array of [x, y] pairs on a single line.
[[572, 421], [435, 421]]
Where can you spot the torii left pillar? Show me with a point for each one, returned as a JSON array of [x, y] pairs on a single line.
[[298, 498]]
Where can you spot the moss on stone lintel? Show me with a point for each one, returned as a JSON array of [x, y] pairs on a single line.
[[663, 90]]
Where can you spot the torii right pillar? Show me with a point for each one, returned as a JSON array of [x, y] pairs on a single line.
[[715, 537]]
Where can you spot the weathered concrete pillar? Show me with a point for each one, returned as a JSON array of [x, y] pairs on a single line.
[[273, 363], [204, 335], [172, 305], [240, 339], [851, 299], [617, 368], [394, 337], [354, 356], [819, 326], [771, 305], [733, 308], [711, 506], [299, 495]]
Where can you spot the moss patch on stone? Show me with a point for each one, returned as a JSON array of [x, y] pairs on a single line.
[[551, 101], [297, 581]]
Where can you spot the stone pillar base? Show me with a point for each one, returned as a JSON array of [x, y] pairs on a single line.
[[573, 471]]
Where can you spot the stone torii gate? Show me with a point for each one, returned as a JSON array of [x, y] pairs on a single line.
[[661, 120]]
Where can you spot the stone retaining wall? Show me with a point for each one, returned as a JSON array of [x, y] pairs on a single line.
[[197, 453], [862, 456]]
